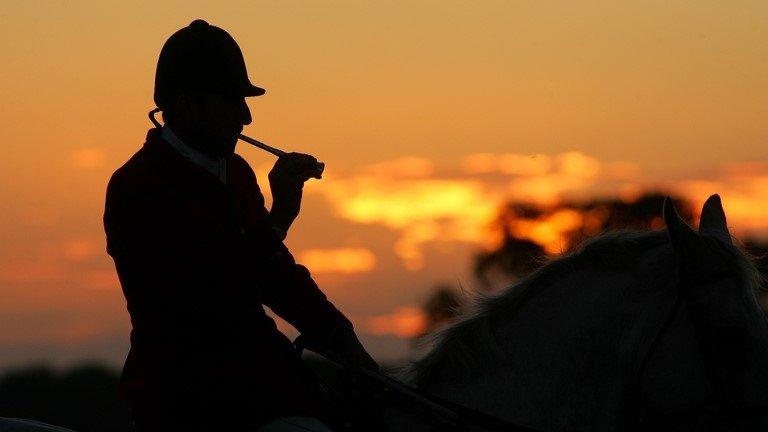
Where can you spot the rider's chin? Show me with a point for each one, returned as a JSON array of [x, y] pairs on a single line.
[[226, 146]]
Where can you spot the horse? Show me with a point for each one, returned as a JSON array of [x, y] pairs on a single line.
[[626, 333]]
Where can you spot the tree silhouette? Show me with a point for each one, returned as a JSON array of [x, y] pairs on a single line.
[[516, 257], [440, 308]]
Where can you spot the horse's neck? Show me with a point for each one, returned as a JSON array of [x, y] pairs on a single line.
[[570, 355]]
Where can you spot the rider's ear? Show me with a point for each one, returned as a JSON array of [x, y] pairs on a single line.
[[712, 221], [684, 240]]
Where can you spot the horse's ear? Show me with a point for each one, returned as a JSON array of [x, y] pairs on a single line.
[[684, 240], [712, 221]]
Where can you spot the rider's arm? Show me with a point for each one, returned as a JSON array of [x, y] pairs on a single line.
[[287, 287], [283, 285], [289, 290]]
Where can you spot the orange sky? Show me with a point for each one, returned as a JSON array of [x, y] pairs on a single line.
[[428, 114]]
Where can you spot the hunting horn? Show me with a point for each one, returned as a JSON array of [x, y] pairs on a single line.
[[319, 167]]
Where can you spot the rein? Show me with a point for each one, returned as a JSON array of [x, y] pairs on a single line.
[[460, 416]]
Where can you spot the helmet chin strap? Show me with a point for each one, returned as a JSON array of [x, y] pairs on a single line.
[[153, 119], [318, 169]]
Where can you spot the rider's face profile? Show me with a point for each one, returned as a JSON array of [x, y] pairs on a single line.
[[212, 120]]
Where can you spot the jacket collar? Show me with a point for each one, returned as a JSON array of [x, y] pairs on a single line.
[[156, 143], [216, 166]]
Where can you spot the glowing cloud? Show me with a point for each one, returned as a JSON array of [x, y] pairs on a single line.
[[405, 322], [422, 209], [459, 205], [744, 190], [342, 260], [548, 231], [425, 203]]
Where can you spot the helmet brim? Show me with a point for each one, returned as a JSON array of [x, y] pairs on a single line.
[[252, 90]]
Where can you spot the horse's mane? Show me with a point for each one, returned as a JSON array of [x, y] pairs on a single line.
[[471, 340]]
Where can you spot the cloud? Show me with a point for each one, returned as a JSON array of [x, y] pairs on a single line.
[[744, 190], [421, 210], [548, 231], [425, 203], [340, 260], [404, 322]]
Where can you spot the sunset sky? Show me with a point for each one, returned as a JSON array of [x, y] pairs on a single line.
[[428, 114]]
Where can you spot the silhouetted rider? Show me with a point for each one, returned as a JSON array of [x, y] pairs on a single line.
[[198, 254]]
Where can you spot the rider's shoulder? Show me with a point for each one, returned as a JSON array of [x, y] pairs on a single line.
[[133, 171], [241, 166], [240, 162]]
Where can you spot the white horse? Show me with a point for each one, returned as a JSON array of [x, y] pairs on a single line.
[[635, 331]]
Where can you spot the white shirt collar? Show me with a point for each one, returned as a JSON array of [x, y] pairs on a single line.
[[217, 167]]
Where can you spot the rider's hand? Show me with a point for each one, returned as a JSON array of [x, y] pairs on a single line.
[[344, 342], [286, 180]]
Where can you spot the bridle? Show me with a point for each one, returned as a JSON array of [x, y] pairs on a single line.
[[686, 284]]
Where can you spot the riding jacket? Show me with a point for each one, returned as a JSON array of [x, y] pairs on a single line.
[[197, 260]]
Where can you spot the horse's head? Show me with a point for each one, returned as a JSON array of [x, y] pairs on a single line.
[[718, 306]]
